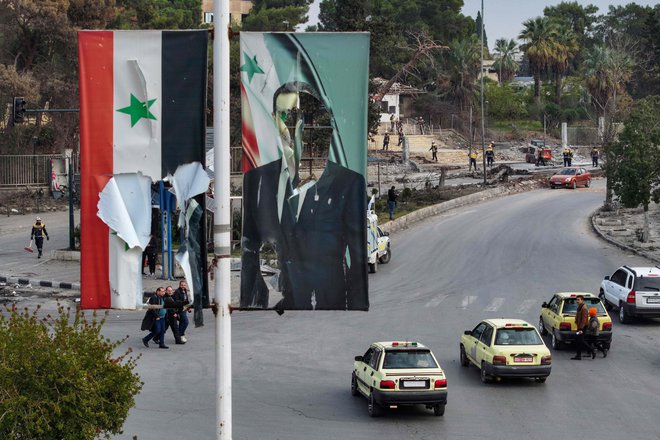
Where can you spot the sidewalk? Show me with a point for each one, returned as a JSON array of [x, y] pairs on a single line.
[[622, 228]]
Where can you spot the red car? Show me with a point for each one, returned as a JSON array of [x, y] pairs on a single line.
[[571, 177]]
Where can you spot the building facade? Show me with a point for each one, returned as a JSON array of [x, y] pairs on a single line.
[[237, 10]]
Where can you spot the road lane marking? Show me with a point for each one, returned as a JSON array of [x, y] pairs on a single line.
[[494, 305], [467, 301], [526, 305], [435, 302]]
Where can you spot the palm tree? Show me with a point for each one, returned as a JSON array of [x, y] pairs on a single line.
[[540, 47], [460, 77], [566, 47], [505, 62]]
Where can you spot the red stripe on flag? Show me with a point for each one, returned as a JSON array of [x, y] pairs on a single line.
[[249, 141], [95, 52]]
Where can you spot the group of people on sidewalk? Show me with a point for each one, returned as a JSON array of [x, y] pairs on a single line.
[[172, 314]]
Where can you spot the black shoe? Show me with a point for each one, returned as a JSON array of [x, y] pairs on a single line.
[[576, 358], [593, 354], [179, 342], [163, 346], [145, 342], [604, 353]]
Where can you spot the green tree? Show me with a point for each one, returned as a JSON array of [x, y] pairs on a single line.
[[579, 19], [634, 161], [157, 14], [539, 35], [479, 28], [565, 48], [276, 15], [505, 59], [458, 79], [62, 380]]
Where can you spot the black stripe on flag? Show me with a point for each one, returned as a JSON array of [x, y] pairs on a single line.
[[184, 98]]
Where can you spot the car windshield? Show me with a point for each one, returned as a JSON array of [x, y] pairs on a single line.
[[645, 284], [398, 359], [570, 305], [517, 336], [568, 171]]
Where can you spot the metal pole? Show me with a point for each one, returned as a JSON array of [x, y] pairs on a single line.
[[69, 166], [221, 220], [161, 202], [483, 147]]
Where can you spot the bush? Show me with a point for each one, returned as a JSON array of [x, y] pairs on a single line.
[[60, 380], [504, 102]]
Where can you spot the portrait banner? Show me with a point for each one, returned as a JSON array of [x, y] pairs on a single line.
[[304, 125]]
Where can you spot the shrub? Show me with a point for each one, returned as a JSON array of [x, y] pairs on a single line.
[[61, 380]]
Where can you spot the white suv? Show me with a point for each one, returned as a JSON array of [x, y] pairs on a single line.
[[635, 291]]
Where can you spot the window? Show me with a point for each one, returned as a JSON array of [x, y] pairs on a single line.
[[570, 305], [367, 356], [567, 172], [392, 110], [553, 304], [476, 333], [646, 284], [399, 359], [487, 336], [374, 359], [629, 282], [619, 277], [208, 17], [517, 336]]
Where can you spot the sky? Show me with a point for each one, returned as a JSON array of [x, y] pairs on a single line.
[[504, 18]]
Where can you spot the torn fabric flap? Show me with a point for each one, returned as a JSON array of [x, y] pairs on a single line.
[[125, 206], [182, 257], [188, 181]]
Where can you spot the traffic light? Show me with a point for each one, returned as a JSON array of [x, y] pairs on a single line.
[[19, 110]]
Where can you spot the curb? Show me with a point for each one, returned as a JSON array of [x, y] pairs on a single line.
[[487, 194], [618, 243], [41, 283]]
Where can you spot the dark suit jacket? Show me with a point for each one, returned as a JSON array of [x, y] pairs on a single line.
[[322, 256]]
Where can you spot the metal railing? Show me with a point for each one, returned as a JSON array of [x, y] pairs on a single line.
[[26, 170]]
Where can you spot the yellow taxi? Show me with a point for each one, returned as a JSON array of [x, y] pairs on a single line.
[[506, 348], [393, 374], [558, 319]]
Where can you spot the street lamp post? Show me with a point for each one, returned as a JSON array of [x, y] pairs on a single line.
[[483, 129]]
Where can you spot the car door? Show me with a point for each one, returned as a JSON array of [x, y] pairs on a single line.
[[548, 313], [372, 368], [582, 176], [483, 347], [471, 350], [614, 290], [361, 372]]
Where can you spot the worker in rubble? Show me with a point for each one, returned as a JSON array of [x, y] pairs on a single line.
[[434, 151], [38, 232], [386, 141], [570, 156], [566, 154], [540, 160], [473, 159], [490, 154]]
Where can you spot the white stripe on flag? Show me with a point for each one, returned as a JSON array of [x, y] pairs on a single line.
[[137, 71]]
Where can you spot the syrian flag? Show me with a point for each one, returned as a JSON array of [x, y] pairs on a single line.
[[142, 110]]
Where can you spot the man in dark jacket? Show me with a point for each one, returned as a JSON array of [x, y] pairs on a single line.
[[181, 295], [38, 232], [582, 323], [154, 320]]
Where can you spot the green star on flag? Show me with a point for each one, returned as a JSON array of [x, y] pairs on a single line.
[[138, 110], [251, 66]]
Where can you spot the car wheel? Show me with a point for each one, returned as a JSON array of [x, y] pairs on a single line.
[[574, 184], [624, 317], [588, 184], [464, 359], [354, 387], [485, 378], [540, 379], [552, 187], [554, 342], [374, 409], [373, 268], [439, 410], [386, 258], [542, 329]]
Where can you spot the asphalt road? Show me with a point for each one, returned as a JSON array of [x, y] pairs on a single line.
[[501, 258]]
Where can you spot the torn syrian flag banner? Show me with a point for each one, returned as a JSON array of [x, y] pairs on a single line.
[[142, 110]]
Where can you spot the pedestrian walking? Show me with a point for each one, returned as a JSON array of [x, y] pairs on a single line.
[[392, 120], [594, 157], [38, 233], [154, 320], [434, 151], [391, 201], [172, 315], [401, 137], [150, 252], [591, 336], [386, 141], [420, 123], [582, 324], [181, 296], [473, 159]]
